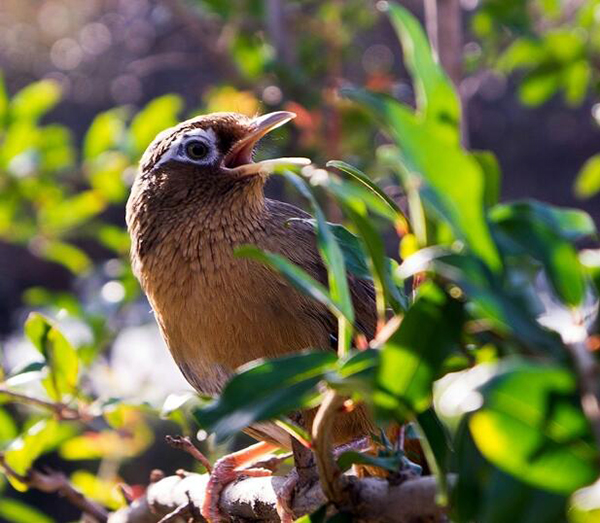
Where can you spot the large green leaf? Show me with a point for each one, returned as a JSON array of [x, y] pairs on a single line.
[[333, 257], [436, 98], [531, 425], [448, 180], [412, 357], [264, 390], [506, 312], [59, 354], [485, 494]]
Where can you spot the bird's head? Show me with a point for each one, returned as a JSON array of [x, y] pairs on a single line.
[[210, 154]]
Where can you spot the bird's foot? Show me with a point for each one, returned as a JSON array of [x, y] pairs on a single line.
[[285, 497], [226, 470]]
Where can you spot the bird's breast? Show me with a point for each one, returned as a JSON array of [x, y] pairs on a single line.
[[217, 311]]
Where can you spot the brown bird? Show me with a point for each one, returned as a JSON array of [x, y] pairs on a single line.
[[197, 196]]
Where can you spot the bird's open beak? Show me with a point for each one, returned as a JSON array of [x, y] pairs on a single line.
[[239, 160]]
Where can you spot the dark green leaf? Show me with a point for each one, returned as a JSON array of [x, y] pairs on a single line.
[[412, 357], [266, 389], [349, 458]]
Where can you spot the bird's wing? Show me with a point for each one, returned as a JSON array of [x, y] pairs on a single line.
[[293, 236]]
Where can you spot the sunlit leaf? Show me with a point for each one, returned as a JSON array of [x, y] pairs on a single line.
[[24, 450], [531, 425], [16, 511], [66, 254], [157, 115], [587, 183], [35, 100], [102, 490], [107, 131], [59, 354]]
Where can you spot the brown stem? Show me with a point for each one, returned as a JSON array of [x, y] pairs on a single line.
[[62, 411], [56, 482], [185, 444], [332, 480]]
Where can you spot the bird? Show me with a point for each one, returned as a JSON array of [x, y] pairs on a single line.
[[198, 195]]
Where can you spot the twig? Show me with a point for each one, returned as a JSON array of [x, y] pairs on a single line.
[[179, 512], [184, 443], [62, 411], [587, 370], [332, 480], [56, 482]]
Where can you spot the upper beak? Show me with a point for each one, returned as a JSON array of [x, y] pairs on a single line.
[[239, 158]]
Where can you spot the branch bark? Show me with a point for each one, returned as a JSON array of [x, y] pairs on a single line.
[[255, 499]]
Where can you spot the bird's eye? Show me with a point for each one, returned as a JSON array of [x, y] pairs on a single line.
[[196, 150]]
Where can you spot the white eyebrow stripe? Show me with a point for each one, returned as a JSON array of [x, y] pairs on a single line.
[[174, 150]]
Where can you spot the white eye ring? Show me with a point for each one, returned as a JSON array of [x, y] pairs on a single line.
[[196, 150], [180, 148]]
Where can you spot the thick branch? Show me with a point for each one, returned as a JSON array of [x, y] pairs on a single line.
[[56, 482], [255, 498]]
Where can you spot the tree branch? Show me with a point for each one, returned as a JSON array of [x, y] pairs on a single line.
[[56, 482], [255, 499], [62, 411]]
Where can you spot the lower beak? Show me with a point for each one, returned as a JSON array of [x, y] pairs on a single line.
[[239, 160]]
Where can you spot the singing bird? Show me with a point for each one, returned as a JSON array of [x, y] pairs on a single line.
[[198, 195]]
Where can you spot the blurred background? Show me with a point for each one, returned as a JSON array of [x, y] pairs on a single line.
[[86, 85]]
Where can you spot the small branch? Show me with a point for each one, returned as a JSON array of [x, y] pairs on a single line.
[[56, 482], [334, 483], [185, 444], [62, 411], [587, 370]]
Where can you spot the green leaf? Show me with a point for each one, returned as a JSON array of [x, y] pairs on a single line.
[[546, 233], [412, 357], [373, 187], [381, 266], [351, 457], [531, 426], [106, 132], [58, 352], [71, 257], [436, 97], [492, 174], [35, 100], [587, 183], [157, 115], [539, 86], [264, 390], [72, 212], [426, 158], [330, 251], [295, 275], [8, 427], [506, 312], [15, 511], [24, 450], [485, 494]]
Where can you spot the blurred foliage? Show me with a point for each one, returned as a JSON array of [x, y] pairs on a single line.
[[553, 46], [476, 319]]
